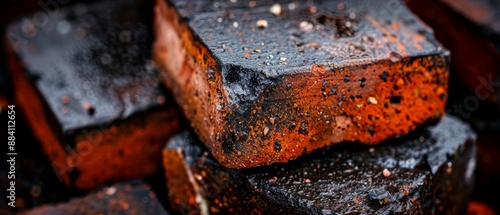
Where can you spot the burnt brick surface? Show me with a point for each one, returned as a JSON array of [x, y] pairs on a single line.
[[86, 83], [126, 198], [429, 171], [321, 72]]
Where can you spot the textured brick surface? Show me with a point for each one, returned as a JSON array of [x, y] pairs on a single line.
[[126, 198], [428, 172], [88, 89], [320, 72]]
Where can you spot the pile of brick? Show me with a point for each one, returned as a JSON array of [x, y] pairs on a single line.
[[297, 107]]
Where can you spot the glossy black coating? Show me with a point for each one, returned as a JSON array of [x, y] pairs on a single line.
[[133, 197], [286, 46], [221, 188], [431, 170], [90, 62]]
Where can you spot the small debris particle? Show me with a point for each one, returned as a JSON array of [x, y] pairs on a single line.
[[384, 76], [421, 139], [277, 146], [252, 4], [152, 195], [347, 78], [313, 9], [303, 128], [273, 179], [449, 167], [306, 26], [386, 173], [198, 177], [308, 180], [90, 109], [275, 9], [65, 99], [262, 23], [282, 58], [257, 50], [333, 90], [314, 45], [248, 55], [271, 120], [440, 90], [367, 39], [362, 83], [110, 191], [371, 150], [372, 100], [395, 57], [400, 82], [292, 6], [340, 6], [266, 130], [235, 24], [160, 99], [325, 83]]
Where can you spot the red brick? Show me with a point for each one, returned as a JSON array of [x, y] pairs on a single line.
[[363, 72], [125, 198], [91, 95], [431, 171]]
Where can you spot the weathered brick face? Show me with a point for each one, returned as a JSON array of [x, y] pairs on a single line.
[[429, 171], [134, 198], [256, 95], [91, 95]]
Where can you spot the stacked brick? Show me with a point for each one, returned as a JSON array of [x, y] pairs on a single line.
[[295, 107]]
